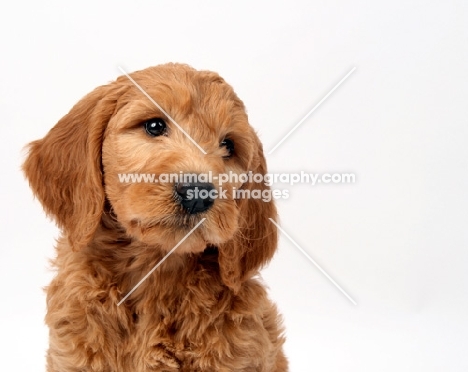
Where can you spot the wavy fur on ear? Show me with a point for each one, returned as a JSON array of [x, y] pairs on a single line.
[[64, 168], [256, 239]]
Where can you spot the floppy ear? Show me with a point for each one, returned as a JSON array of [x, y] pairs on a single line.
[[64, 168], [256, 240]]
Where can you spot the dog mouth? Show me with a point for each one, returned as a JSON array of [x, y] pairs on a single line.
[[183, 213], [179, 221]]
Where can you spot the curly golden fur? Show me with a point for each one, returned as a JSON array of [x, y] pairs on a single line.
[[202, 309]]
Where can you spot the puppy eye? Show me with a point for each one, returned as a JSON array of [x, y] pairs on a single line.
[[155, 127], [229, 144]]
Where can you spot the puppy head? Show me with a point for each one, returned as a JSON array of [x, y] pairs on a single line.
[[116, 131]]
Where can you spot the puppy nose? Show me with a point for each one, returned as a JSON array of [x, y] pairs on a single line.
[[195, 197]]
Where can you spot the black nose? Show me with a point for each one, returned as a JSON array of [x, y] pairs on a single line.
[[196, 197]]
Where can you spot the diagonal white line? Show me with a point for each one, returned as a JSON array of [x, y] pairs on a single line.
[[315, 263], [160, 262], [311, 111], [160, 108]]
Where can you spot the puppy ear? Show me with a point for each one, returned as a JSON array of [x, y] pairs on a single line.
[[256, 240], [64, 168]]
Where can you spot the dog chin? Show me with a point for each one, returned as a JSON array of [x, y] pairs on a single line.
[[169, 231], [166, 238], [194, 245]]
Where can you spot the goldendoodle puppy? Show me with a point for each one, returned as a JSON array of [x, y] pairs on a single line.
[[202, 309]]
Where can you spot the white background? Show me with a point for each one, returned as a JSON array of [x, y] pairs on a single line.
[[396, 240]]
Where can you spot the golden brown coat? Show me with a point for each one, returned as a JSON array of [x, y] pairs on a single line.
[[202, 309]]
